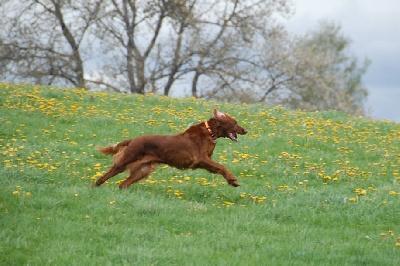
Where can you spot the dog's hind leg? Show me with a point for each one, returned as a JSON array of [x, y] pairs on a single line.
[[123, 160], [114, 170], [138, 172]]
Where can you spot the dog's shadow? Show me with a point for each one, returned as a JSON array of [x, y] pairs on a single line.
[[210, 191]]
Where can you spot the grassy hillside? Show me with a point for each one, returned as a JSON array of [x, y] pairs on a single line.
[[317, 188]]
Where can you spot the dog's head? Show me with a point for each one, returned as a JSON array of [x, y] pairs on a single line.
[[226, 126]]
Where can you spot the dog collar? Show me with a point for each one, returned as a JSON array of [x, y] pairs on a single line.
[[211, 133]]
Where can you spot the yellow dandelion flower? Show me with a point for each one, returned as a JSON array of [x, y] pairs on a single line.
[[261, 199], [360, 191], [15, 192]]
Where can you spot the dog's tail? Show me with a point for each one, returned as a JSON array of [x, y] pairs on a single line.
[[114, 149]]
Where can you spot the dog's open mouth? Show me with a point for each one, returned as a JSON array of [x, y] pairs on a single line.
[[233, 136]]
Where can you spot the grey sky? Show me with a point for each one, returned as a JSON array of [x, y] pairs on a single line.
[[374, 27]]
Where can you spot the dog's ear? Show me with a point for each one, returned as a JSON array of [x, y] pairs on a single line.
[[219, 114]]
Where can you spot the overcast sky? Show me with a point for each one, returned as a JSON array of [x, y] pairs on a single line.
[[374, 28]]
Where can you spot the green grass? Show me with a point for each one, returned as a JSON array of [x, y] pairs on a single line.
[[316, 188]]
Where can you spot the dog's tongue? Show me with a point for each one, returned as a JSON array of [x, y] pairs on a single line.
[[233, 137]]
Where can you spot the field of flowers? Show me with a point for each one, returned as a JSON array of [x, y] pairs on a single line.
[[316, 188]]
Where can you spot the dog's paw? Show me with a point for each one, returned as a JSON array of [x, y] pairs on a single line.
[[234, 183]]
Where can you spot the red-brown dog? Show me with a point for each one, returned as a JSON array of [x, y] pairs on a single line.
[[191, 149]]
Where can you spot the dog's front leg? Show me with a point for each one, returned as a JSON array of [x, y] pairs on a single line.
[[217, 168]]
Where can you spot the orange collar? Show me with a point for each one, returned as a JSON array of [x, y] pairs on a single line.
[[209, 131]]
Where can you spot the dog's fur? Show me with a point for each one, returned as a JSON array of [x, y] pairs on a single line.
[[191, 149]]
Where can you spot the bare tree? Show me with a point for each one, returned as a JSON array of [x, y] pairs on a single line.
[[145, 45], [47, 39], [154, 44], [132, 31], [228, 61], [262, 70]]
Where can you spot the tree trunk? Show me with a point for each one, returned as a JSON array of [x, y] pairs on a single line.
[[131, 68], [76, 57], [141, 78], [194, 83]]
